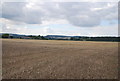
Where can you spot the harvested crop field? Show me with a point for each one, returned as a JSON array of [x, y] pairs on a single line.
[[53, 59]]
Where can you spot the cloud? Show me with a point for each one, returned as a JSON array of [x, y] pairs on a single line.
[[81, 14], [13, 10], [13, 29], [12, 26], [84, 21]]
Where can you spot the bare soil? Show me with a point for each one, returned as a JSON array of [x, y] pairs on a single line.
[[53, 59]]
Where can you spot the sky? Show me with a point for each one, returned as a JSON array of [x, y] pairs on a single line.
[[60, 18]]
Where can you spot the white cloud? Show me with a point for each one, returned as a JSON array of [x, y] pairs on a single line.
[[78, 14], [60, 1]]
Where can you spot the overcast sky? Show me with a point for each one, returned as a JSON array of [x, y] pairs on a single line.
[[60, 18]]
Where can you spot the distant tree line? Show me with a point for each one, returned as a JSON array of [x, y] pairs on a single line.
[[114, 39], [96, 38], [37, 37], [23, 37], [5, 36]]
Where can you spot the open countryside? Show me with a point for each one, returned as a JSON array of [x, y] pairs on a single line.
[[59, 59]]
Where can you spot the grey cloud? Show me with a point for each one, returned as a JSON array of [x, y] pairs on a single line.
[[18, 12], [12, 10], [89, 21], [76, 13]]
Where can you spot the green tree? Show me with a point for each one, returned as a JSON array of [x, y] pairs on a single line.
[[5, 35]]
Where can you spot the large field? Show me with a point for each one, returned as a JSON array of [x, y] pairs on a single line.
[[52, 59]]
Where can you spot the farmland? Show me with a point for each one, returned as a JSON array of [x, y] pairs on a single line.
[[53, 59]]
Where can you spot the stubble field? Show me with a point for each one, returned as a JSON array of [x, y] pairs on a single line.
[[53, 59]]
